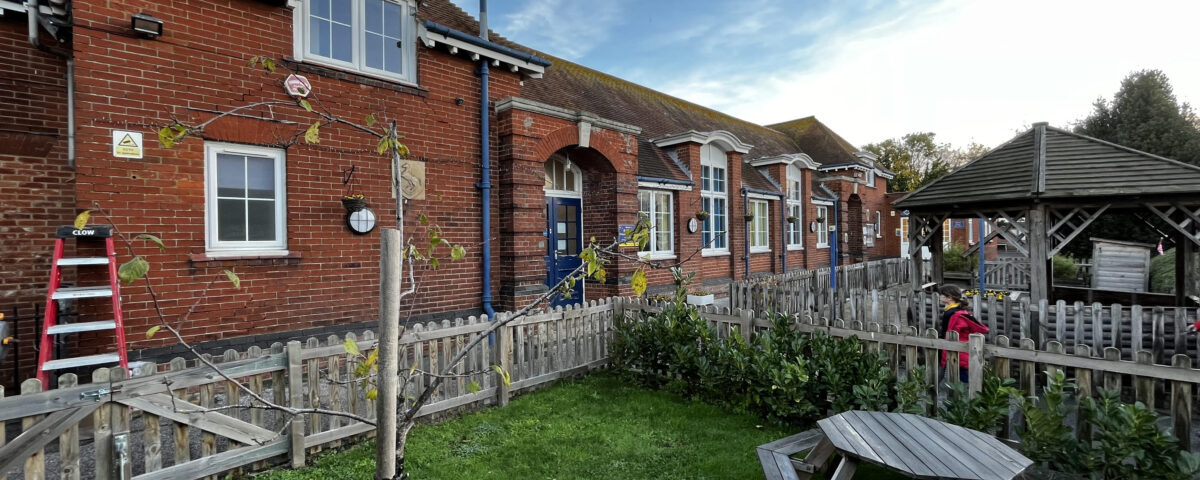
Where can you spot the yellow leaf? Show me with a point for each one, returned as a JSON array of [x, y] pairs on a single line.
[[504, 377], [312, 135], [304, 103], [82, 219], [372, 394], [153, 330], [639, 282], [351, 347], [269, 64], [370, 119], [384, 144], [233, 277], [473, 387]]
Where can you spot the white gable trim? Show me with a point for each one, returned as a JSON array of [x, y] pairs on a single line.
[[725, 140]]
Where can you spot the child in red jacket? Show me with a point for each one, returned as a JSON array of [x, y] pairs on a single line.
[[956, 319]]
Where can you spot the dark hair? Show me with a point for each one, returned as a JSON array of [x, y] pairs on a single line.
[[951, 291]]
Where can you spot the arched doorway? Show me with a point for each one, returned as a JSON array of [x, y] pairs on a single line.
[[564, 224]]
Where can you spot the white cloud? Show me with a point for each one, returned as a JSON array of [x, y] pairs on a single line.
[[569, 29], [967, 71]]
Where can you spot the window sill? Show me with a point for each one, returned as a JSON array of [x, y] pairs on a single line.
[[822, 245], [760, 250], [657, 256], [279, 258], [362, 78], [717, 253], [795, 248]]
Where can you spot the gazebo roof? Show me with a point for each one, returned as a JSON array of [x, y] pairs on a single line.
[[1047, 163]]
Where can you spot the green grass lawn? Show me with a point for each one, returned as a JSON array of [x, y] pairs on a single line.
[[595, 427]]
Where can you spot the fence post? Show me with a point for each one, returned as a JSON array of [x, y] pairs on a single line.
[[931, 375], [974, 364], [1181, 404], [747, 324], [504, 350], [295, 374]]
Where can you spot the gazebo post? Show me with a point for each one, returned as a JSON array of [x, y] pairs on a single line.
[[1039, 281], [937, 252], [1185, 269], [914, 252]]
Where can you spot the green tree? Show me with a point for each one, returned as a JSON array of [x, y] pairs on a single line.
[[917, 159], [1145, 115]]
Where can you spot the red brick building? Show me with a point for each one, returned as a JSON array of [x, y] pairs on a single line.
[[572, 154]]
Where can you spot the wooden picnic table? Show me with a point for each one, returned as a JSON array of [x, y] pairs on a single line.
[[917, 447]]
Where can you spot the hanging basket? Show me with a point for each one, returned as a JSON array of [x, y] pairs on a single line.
[[354, 204], [749, 218], [792, 219], [701, 216]]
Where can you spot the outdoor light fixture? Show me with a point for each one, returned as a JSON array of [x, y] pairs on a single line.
[[146, 25]]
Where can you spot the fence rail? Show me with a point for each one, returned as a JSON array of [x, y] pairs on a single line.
[[181, 420]]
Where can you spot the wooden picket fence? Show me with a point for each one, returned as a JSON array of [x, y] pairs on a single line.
[[811, 291], [1169, 386], [1006, 273], [181, 420]]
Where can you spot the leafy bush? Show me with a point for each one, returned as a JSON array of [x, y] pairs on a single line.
[[1126, 441], [1162, 271], [781, 374], [956, 262], [1064, 267], [986, 410]]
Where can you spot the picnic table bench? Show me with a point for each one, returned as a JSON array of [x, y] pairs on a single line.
[[912, 445]]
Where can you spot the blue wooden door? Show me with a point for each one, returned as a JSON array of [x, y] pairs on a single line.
[[564, 228]]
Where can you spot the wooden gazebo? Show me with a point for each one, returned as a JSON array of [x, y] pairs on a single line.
[[1059, 182]]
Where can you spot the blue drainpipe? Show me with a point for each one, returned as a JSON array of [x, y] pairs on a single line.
[[833, 247], [485, 186], [746, 228]]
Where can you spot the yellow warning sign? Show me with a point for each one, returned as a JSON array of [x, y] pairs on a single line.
[[127, 144]]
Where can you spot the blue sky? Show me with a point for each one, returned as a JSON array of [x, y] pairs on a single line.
[[873, 69]]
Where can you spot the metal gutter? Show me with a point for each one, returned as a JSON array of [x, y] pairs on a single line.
[[482, 41]]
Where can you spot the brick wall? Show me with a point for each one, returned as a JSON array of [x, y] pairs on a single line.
[[35, 179], [331, 275]]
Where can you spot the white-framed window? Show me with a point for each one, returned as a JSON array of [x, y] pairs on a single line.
[[869, 235], [795, 208], [714, 196], [245, 203], [657, 206], [822, 227], [376, 37], [870, 178], [563, 178], [878, 223], [760, 226], [946, 237]]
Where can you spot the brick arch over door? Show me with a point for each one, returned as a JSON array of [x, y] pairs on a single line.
[[568, 137]]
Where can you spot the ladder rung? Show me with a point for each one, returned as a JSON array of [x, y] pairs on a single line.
[[82, 292], [81, 361], [83, 261], [82, 327]]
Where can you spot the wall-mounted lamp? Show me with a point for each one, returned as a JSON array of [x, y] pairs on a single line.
[[146, 25]]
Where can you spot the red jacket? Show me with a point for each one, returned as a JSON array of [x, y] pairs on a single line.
[[962, 323]]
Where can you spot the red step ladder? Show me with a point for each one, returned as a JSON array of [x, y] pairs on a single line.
[[55, 292]]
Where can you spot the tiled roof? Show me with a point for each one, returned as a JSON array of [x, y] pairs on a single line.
[[652, 162], [576, 87], [1077, 167], [820, 142], [752, 178]]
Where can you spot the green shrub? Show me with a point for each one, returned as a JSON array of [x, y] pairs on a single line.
[[1064, 267], [956, 262], [986, 410], [1162, 271], [783, 375], [1126, 440]]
